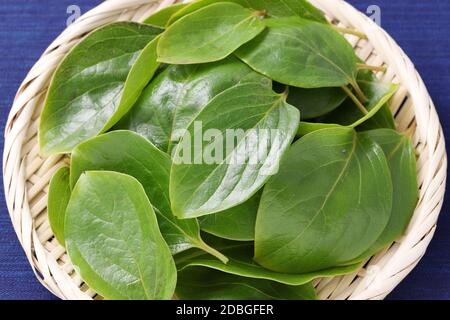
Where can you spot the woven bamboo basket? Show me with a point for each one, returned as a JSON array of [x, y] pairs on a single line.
[[26, 174]]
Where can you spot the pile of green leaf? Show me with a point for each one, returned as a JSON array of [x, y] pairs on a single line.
[[138, 225]]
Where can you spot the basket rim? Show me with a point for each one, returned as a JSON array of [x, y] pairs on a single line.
[[382, 274]]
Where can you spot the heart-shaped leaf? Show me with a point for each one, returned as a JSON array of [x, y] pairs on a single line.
[[176, 96], [209, 34], [247, 130], [58, 199], [273, 8], [301, 53], [96, 84], [241, 263], [128, 153], [113, 239], [162, 17], [237, 223], [401, 158], [334, 186], [207, 284]]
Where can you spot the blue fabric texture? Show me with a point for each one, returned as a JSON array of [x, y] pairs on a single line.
[[421, 28]]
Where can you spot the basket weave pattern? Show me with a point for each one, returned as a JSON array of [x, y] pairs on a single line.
[[27, 174]]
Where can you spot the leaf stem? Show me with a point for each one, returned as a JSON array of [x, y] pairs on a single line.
[[358, 91], [355, 100], [213, 252], [286, 92], [350, 31], [372, 68]]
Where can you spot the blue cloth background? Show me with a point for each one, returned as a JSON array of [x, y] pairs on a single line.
[[421, 27]]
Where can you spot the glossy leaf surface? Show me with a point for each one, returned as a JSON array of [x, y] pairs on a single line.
[[216, 174], [127, 152], [333, 187], [215, 32], [237, 223], [58, 198], [301, 53], [207, 284], [96, 84], [401, 158], [113, 239], [177, 95]]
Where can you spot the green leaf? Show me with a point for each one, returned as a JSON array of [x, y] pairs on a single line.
[[401, 158], [162, 17], [309, 127], [378, 94], [274, 8], [140, 74], [96, 84], [288, 8], [206, 284], [241, 263], [314, 103], [237, 223], [127, 152], [113, 239], [209, 34], [383, 119], [250, 127], [329, 203], [58, 198], [349, 115], [196, 5], [301, 53], [176, 96]]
